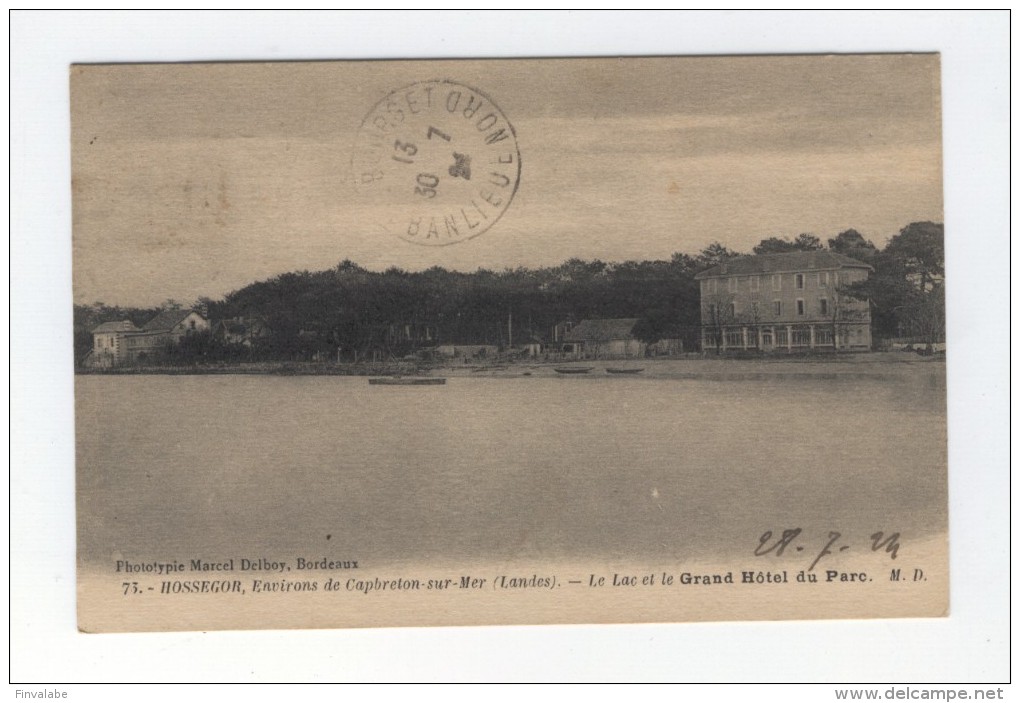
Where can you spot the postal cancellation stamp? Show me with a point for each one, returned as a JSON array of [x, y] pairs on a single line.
[[441, 158]]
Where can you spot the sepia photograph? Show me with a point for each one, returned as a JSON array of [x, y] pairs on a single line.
[[532, 341]]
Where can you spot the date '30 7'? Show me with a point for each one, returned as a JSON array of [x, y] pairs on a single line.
[[790, 540]]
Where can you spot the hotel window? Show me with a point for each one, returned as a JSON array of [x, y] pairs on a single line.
[[731, 284], [798, 281], [766, 337], [777, 281], [823, 306], [755, 311], [733, 309], [800, 306], [823, 279], [777, 308], [754, 283], [713, 311]]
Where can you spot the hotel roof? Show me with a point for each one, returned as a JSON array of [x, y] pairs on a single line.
[[783, 263]]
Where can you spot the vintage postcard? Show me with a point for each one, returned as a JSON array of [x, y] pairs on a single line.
[[391, 343]]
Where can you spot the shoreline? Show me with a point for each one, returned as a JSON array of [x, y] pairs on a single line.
[[851, 366]]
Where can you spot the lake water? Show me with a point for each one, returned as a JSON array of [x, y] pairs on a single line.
[[499, 469]]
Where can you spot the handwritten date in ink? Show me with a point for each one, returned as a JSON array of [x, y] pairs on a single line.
[[793, 539]]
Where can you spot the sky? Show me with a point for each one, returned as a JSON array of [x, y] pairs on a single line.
[[194, 180]]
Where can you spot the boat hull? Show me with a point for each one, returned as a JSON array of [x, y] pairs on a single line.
[[574, 369], [406, 381]]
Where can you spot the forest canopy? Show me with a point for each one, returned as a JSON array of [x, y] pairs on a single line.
[[348, 310]]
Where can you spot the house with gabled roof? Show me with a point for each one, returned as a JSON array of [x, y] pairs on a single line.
[[177, 323], [794, 301], [603, 339], [116, 343]]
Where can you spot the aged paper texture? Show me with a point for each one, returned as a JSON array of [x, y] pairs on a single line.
[[391, 343]]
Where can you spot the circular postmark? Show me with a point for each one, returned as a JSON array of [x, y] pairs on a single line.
[[437, 162]]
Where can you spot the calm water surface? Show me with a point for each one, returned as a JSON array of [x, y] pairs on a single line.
[[490, 468]]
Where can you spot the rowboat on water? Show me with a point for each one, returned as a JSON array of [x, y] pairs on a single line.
[[611, 370], [400, 381], [573, 369]]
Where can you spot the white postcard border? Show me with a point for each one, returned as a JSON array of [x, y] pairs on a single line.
[[970, 645]]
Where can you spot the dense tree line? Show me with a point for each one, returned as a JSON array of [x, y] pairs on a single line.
[[907, 288], [352, 311], [397, 311]]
